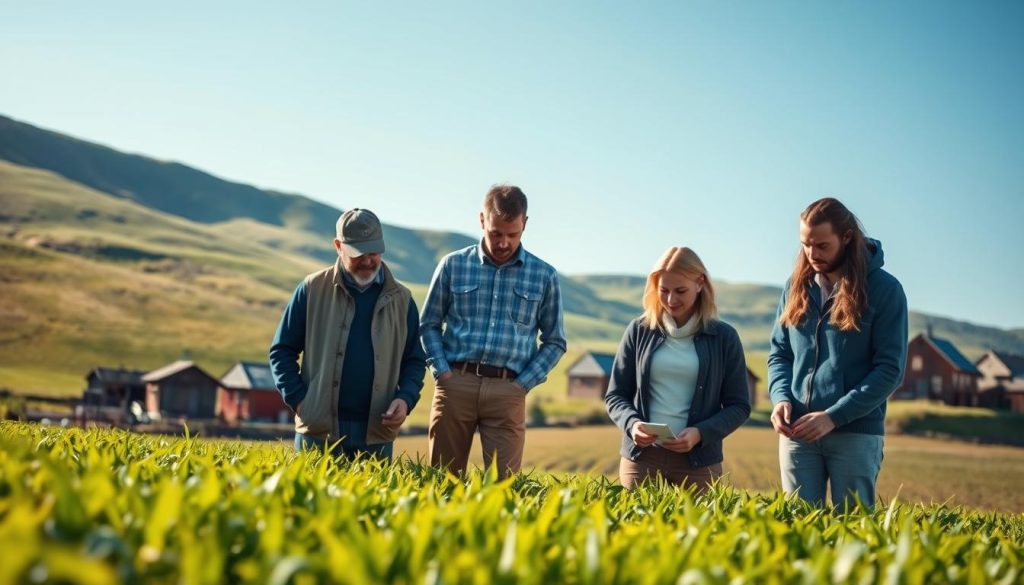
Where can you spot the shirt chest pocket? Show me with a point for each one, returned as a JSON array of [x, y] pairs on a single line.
[[464, 299], [524, 307]]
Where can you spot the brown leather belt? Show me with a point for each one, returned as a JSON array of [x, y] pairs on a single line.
[[484, 371]]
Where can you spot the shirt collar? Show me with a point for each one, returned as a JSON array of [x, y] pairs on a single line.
[[518, 258], [827, 290]]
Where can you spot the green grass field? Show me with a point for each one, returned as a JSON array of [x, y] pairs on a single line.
[[112, 507]]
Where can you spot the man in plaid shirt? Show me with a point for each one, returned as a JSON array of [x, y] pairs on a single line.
[[492, 298]]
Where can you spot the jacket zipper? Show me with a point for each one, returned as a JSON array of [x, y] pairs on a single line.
[[817, 351]]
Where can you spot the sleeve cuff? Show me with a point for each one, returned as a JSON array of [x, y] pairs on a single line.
[[409, 400], [632, 420], [294, 400], [439, 367], [835, 413], [526, 385]]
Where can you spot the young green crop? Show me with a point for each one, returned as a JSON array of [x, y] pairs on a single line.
[[102, 506]]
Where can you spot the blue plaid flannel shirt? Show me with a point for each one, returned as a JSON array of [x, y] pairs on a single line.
[[492, 314]]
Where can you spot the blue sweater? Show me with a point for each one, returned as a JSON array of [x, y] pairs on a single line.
[[357, 371], [847, 374]]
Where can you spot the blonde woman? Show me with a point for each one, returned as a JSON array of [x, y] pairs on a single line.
[[678, 367]]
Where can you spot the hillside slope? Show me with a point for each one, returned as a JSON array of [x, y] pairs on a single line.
[[180, 190]]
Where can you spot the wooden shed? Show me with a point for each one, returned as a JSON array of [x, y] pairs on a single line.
[[247, 393], [110, 392], [181, 389], [588, 375], [936, 370]]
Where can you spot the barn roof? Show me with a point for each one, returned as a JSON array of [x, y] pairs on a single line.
[[172, 369], [605, 360], [116, 375], [249, 375], [592, 363], [953, 354]]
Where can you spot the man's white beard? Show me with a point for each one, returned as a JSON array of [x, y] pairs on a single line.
[[365, 281]]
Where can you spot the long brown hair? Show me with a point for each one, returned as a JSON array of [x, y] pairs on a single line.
[[683, 261], [852, 290]]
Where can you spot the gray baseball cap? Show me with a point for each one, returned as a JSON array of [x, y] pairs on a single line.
[[360, 232]]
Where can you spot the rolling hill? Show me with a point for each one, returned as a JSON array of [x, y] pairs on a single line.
[[291, 222], [108, 258]]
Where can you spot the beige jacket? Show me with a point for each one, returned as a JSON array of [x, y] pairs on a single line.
[[328, 319]]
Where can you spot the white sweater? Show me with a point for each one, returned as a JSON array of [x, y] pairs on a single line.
[[674, 370]]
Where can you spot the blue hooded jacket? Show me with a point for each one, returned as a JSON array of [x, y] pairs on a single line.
[[847, 374]]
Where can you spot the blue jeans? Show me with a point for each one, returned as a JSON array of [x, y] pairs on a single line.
[[850, 462], [353, 442]]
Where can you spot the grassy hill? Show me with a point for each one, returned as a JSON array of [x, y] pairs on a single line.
[[90, 279], [108, 258], [177, 189]]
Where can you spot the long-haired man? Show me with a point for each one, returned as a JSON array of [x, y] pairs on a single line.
[[838, 350]]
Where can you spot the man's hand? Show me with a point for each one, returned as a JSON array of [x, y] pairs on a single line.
[[780, 419], [519, 386], [396, 413], [812, 426], [444, 377], [684, 441], [641, 438]]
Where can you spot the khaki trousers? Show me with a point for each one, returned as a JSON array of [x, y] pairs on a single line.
[[674, 467], [465, 402]]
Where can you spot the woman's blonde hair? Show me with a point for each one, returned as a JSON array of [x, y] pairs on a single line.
[[684, 261]]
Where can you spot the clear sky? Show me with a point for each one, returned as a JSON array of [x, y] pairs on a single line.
[[631, 126]]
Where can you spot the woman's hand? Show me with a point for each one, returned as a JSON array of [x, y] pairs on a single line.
[[641, 438], [684, 441]]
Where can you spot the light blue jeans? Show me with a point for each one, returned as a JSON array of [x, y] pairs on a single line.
[[850, 462], [353, 442]]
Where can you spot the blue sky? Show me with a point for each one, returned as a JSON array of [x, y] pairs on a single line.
[[631, 126]]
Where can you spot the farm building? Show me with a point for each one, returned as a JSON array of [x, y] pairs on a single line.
[[110, 392], [936, 370], [181, 389], [247, 393], [589, 374], [1002, 381]]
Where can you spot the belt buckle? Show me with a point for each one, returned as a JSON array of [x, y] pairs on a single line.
[[477, 372]]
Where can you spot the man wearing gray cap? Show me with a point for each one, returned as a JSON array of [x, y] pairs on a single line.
[[357, 329]]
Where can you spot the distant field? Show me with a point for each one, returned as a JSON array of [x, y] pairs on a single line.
[[917, 469]]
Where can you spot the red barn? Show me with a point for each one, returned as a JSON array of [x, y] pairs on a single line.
[[936, 370], [181, 389], [247, 393]]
